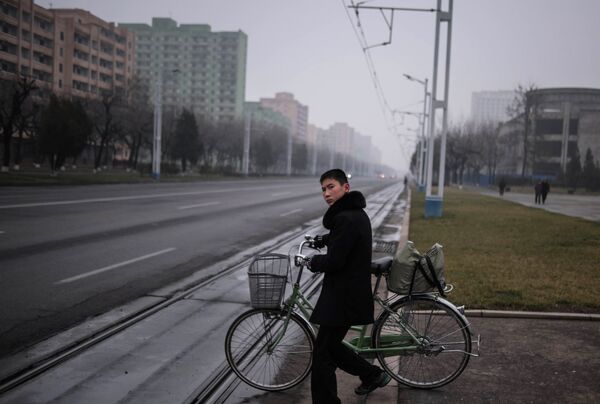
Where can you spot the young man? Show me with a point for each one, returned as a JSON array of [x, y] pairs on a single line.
[[346, 298]]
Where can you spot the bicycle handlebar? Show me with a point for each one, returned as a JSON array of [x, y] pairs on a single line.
[[300, 259]]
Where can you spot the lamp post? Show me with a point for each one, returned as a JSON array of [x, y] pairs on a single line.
[[157, 139], [424, 145]]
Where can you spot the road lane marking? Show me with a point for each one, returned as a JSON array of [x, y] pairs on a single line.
[[129, 198], [120, 264], [281, 193], [290, 212], [199, 205]]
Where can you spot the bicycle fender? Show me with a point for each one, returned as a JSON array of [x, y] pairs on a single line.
[[307, 323]]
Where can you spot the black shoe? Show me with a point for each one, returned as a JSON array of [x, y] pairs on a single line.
[[379, 381]]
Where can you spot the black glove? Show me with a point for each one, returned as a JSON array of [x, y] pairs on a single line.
[[320, 241], [308, 264]]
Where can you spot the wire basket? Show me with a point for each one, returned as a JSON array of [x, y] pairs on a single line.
[[267, 277]]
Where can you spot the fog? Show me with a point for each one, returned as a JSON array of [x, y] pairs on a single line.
[[310, 48]]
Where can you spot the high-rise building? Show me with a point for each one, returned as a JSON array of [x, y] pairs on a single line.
[[197, 68], [69, 51], [297, 113], [491, 106], [266, 116]]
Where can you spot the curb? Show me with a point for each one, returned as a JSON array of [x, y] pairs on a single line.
[[537, 315]]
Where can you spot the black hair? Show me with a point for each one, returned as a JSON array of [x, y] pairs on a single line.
[[335, 174]]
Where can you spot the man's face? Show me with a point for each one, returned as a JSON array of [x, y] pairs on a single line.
[[333, 190]]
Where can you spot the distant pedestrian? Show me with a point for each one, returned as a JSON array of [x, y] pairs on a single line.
[[545, 190], [538, 193], [501, 186]]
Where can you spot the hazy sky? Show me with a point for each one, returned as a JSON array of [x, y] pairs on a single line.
[[309, 48]]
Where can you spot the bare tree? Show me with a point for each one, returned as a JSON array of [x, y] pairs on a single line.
[[488, 135], [13, 96], [523, 109], [105, 116], [137, 121]]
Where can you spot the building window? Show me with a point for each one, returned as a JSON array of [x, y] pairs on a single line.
[[42, 41], [7, 66], [42, 23], [8, 28], [60, 67], [62, 36], [8, 47], [25, 53], [26, 35], [8, 9], [59, 83], [61, 52]]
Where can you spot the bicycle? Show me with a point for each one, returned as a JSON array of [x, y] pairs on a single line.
[[421, 340]]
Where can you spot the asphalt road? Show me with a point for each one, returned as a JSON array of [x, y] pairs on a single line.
[[68, 253]]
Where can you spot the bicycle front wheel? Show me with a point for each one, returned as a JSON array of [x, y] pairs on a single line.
[[269, 349], [440, 351]]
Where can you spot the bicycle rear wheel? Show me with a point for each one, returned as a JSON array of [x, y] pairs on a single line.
[[261, 362], [444, 341]]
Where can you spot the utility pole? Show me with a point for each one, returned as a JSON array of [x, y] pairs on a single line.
[[157, 139], [246, 155], [288, 170], [433, 204], [156, 145]]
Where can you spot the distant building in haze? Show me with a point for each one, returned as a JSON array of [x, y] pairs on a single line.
[[266, 116], [565, 121], [201, 70], [288, 106], [491, 106]]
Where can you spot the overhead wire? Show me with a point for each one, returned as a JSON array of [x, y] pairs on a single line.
[[384, 105]]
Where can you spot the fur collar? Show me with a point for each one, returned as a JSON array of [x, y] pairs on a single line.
[[352, 200]]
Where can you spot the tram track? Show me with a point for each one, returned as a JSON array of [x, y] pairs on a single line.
[[223, 382]]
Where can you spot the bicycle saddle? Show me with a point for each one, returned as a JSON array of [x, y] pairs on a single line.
[[381, 266]]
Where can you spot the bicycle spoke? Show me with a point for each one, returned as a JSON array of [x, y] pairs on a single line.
[[436, 328], [268, 354]]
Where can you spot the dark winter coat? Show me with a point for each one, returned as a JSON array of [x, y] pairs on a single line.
[[346, 297]]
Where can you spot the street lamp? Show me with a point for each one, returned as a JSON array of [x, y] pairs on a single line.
[[156, 145], [423, 148]]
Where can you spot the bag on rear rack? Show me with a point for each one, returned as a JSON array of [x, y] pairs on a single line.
[[413, 272]]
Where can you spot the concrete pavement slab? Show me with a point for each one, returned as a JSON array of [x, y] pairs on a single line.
[[583, 206]]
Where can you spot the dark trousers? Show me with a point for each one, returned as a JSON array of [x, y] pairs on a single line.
[[538, 198], [328, 355]]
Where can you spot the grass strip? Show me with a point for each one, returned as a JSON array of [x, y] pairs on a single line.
[[502, 255]]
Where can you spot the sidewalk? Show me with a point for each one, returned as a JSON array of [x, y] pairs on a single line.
[[583, 206]]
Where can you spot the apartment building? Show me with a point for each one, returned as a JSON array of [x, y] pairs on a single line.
[[196, 68], [565, 121], [288, 106], [68, 51]]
